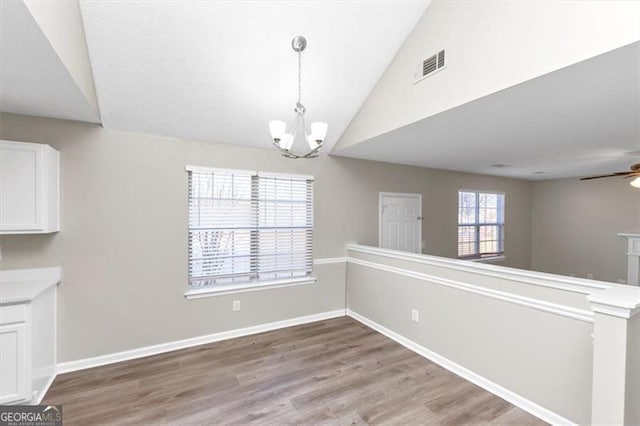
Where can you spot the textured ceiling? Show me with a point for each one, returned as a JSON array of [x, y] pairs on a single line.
[[578, 121], [33, 79], [220, 71]]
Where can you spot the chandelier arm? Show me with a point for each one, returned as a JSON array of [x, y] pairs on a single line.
[[288, 154], [284, 152], [296, 126], [294, 129], [304, 127], [299, 76], [313, 153]]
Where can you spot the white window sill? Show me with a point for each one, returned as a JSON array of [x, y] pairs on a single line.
[[489, 259], [222, 290]]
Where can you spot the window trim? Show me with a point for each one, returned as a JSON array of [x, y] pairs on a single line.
[[254, 284], [478, 257], [224, 290], [489, 259]]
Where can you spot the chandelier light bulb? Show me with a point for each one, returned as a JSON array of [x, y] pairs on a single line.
[[312, 142], [287, 141], [277, 129], [635, 183], [319, 131]]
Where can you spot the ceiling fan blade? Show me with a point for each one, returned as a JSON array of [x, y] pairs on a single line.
[[604, 176], [635, 171]]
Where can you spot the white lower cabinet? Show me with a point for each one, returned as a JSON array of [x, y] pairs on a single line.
[[27, 334], [13, 356]]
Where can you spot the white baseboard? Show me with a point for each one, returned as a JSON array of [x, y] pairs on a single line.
[[504, 393], [81, 364], [38, 399]]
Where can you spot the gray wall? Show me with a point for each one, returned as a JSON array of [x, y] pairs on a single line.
[[123, 240], [541, 356], [574, 226]]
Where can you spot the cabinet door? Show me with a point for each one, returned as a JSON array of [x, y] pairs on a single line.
[[14, 386], [21, 168]]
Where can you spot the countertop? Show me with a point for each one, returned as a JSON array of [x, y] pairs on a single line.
[[24, 285]]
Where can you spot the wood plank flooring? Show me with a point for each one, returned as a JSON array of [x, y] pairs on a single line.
[[329, 372]]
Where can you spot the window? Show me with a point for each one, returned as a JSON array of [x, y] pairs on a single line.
[[480, 224], [247, 226]]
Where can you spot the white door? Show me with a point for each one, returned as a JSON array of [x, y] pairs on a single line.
[[401, 221]]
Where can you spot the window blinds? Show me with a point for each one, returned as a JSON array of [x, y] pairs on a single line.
[[480, 224], [248, 226]]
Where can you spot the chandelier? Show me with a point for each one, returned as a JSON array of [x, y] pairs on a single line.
[[283, 137]]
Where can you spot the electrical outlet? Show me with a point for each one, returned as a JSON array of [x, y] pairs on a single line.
[[236, 305], [589, 276], [415, 315]]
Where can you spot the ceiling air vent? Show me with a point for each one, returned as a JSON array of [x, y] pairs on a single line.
[[430, 66]]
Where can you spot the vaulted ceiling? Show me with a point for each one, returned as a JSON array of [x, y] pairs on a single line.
[[581, 120], [220, 71], [34, 79]]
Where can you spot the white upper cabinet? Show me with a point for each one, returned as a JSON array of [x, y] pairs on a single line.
[[29, 188]]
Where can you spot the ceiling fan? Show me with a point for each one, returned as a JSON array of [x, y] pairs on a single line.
[[635, 172]]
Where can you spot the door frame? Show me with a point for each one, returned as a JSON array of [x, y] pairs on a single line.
[[400, 195]]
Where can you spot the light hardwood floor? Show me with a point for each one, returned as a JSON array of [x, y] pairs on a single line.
[[329, 372]]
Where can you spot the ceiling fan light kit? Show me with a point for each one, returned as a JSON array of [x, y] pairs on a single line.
[[283, 136], [633, 173]]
